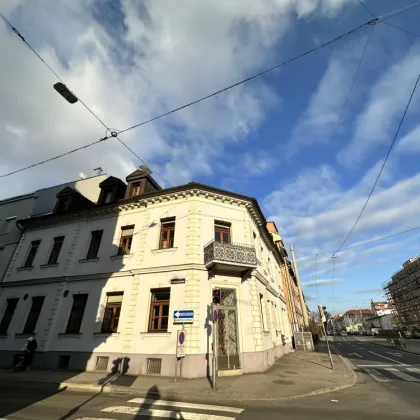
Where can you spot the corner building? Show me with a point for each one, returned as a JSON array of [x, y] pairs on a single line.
[[98, 283]]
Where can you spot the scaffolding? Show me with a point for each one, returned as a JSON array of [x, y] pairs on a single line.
[[403, 290]]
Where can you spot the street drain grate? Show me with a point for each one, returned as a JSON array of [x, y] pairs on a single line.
[[290, 372], [283, 382]]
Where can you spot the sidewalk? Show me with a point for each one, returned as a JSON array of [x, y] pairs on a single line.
[[413, 346], [295, 375]]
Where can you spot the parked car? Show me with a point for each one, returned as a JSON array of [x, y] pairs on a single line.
[[343, 333], [416, 333], [408, 334]]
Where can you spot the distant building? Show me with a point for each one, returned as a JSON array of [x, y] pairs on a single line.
[[382, 308], [404, 292], [354, 319]]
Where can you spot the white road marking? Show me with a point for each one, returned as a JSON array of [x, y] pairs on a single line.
[[186, 405], [377, 376], [402, 375], [169, 414], [393, 360], [414, 370], [382, 366], [356, 354], [394, 354], [88, 418]]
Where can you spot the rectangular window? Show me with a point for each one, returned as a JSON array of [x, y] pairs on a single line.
[[32, 253], [126, 240], [112, 312], [167, 233], [263, 316], [135, 189], [222, 232], [108, 196], [7, 225], [55, 252], [33, 315], [8, 315], [76, 314], [159, 310], [95, 242]]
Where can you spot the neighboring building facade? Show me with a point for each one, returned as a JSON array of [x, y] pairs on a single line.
[[404, 292], [289, 282], [37, 203], [98, 284]]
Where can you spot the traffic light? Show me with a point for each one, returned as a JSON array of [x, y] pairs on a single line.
[[216, 296]]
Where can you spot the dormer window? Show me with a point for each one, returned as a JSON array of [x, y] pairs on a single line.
[[135, 189], [63, 204], [108, 196]]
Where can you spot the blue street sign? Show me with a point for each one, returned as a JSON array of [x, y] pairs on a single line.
[[183, 316]]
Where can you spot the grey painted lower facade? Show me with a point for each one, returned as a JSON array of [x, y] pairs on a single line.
[[193, 366]]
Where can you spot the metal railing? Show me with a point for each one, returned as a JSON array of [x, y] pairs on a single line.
[[240, 254]]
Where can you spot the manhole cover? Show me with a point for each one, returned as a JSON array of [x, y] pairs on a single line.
[[290, 372], [283, 382]]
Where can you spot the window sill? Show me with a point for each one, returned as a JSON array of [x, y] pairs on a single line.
[[159, 250], [120, 257], [24, 335], [85, 260], [48, 265], [69, 335], [25, 268], [164, 334], [106, 334]]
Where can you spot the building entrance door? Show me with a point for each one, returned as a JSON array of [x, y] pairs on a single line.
[[227, 331]]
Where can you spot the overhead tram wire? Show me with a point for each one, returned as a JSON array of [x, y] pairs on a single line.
[[338, 38], [401, 29], [366, 8], [382, 167], [383, 238], [113, 133]]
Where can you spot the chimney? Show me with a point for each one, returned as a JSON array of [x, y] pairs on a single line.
[[98, 171]]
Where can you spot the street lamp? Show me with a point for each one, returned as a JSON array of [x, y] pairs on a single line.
[[65, 92]]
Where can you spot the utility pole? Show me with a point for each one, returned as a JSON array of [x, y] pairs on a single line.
[[302, 301]]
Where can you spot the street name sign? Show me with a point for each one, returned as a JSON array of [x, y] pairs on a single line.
[[184, 316]]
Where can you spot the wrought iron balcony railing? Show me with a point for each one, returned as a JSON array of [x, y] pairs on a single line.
[[233, 254]]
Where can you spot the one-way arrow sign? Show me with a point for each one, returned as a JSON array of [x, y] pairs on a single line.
[[183, 316]]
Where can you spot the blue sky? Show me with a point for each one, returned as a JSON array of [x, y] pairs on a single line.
[[284, 138]]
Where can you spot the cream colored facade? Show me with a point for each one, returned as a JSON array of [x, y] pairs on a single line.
[[262, 327]]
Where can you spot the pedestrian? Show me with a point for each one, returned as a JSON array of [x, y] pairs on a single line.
[[31, 346]]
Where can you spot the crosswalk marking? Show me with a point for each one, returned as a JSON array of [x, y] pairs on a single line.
[[402, 375], [186, 405], [169, 414], [380, 355], [414, 370], [377, 375]]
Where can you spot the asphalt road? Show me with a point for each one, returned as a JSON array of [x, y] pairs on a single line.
[[379, 393], [394, 372]]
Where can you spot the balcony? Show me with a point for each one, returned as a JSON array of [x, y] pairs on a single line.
[[229, 257]]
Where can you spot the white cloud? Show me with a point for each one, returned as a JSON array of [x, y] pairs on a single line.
[[410, 142], [320, 120], [130, 65], [315, 213], [388, 98]]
